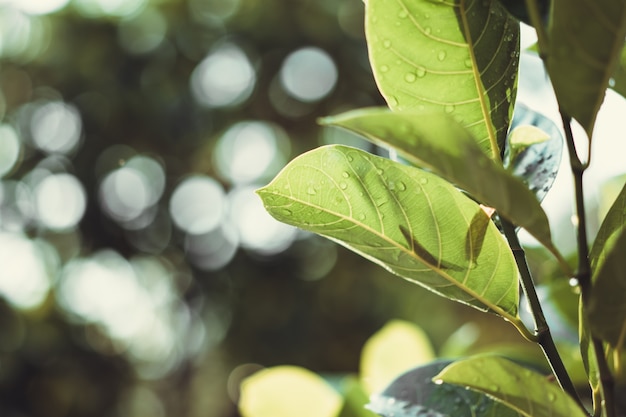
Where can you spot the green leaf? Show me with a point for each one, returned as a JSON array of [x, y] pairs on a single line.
[[589, 357], [526, 391], [355, 399], [287, 391], [439, 143], [535, 155], [451, 56], [586, 38], [414, 394], [398, 346], [606, 307], [411, 222]]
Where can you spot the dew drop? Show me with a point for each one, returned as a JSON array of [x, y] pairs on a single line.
[[403, 14], [362, 217], [311, 191], [287, 212], [494, 388], [551, 397], [410, 77], [393, 102], [426, 16], [401, 186], [468, 63], [380, 171], [449, 108], [441, 55], [345, 173], [423, 180], [343, 185], [611, 82], [427, 30], [384, 68], [473, 265], [387, 43], [350, 158], [421, 72], [438, 381]]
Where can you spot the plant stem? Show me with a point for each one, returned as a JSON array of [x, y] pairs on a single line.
[[542, 330], [583, 274]]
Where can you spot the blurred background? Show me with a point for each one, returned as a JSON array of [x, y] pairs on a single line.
[[139, 273]]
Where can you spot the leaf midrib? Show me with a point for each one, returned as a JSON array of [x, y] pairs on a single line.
[[405, 250], [495, 151]]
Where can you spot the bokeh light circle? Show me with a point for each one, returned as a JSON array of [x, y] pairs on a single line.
[[308, 74], [251, 151], [143, 33], [60, 201], [258, 231], [25, 280], [197, 204], [10, 149], [225, 77], [56, 127]]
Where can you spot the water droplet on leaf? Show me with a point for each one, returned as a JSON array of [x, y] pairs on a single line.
[[387, 43], [421, 72], [441, 55], [552, 397], [384, 68], [403, 14], [345, 173], [343, 185], [427, 30], [401, 186], [410, 77], [311, 191], [449, 108], [423, 180], [393, 102], [468, 63]]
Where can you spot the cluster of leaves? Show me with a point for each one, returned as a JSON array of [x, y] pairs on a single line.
[[448, 71]]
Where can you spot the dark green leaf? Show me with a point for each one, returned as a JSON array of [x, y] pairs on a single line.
[[411, 222], [528, 392], [586, 38], [454, 57], [414, 394]]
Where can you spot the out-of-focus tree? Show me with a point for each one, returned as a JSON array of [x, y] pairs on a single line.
[[139, 274]]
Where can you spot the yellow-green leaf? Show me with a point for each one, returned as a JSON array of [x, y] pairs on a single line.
[[409, 221], [458, 57]]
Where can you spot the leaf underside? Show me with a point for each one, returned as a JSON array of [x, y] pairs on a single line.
[[528, 392], [414, 394], [409, 221], [454, 56], [586, 38], [437, 142]]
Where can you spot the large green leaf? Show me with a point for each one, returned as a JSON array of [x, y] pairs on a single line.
[[586, 37], [415, 394], [409, 221], [606, 307], [454, 56], [528, 392], [439, 143]]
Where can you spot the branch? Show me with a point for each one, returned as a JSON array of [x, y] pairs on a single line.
[[542, 331], [583, 274]]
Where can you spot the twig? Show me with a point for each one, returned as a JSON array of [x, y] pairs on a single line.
[[583, 274], [542, 330]]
